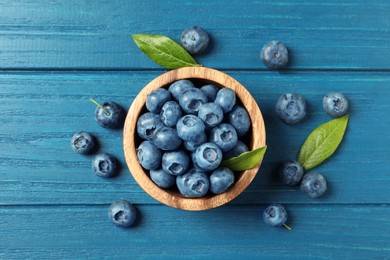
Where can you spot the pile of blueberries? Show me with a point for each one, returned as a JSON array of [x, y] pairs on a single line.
[[186, 132]]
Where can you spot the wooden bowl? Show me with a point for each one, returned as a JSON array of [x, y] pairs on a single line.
[[172, 197]]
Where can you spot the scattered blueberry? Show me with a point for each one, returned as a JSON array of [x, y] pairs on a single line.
[[178, 87], [171, 113], [208, 156], [193, 145], [122, 213], [224, 135], [194, 183], [313, 185], [274, 55], [162, 179], [156, 99], [191, 100], [275, 215], [335, 104], [211, 91], [221, 179], [166, 138], [104, 165], [190, 128], [291, 108], [194, 39], [149, 156], [114, 118], [239, 118], [238, 149], [211, 114], [148, 124], [226, 98], [83, 142], [175, 162], [291, 173]]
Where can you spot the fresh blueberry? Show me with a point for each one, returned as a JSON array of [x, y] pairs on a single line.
[[226, 98], [190, 128], [194, 183], [194, 39], [224, 135], [274, 55], [238, 149], [122, 213], [291, 108], [335, 104], [313, 185], [162, 179], [178, 87], [113, 117], [149, 156], [221, 179], [156, 99], [166, 138], [211, 114], [148, 124], [104, 165], [175, 162], [275, 215], [193, 145], [291, 173], [170, 113], [208, 156], [239, 118], [193, 158], [211, 91], [83, 142], [191, 100]]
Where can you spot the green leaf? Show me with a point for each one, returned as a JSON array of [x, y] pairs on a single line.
[[322, 142], [164, 51], [245, 161]]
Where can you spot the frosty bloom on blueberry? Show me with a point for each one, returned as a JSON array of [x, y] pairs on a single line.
[[156, 99], [104, 165], [122, 213], [291, 108], [109, 115], [82, 142], [275, 215], [195, 40], [335, 104], [274, 55]]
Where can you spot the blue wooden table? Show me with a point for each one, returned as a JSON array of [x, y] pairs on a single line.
[[54, 55]]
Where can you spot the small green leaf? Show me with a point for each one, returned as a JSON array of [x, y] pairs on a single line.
[[164, 51], [245, 161], [322, 142]]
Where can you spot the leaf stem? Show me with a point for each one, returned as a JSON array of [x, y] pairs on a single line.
[[96, 103], [287, 227]]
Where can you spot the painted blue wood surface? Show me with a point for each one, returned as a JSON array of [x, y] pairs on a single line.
[[54, 55]]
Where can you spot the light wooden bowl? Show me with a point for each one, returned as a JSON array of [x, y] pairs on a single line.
[[172, 197]]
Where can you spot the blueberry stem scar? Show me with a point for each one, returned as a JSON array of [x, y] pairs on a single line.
[[96, 103], [287, 227]]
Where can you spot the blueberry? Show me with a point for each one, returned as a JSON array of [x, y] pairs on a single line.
[[194, 39], [122, 213], [291, 108], [193, 145], [148, 124], [83, 143], [208, 156], [274, 55], [211, 114], [291, 173], [162, 179], [175, 162], [113, 119], [275, 215], [221, 179], [335, 104], [178, 87], [313, 185], [156, 99], [166, 138], [226, 98], [224, 135], [193, 158], [104, 165], [211, 91], [194, 183], [191, 100], [149, 156], [171, 113], [238, 149], [239, 118], [190, 128]]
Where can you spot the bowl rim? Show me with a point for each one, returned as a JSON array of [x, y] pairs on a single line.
[[129, 131]]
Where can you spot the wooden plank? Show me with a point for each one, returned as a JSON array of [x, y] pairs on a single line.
[[95, 35], [230, 232]]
